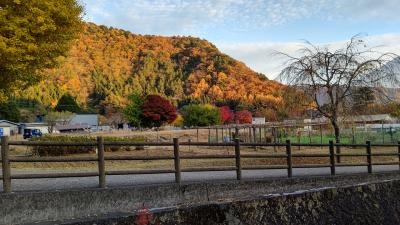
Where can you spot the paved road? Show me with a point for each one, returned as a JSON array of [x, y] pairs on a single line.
[[129, 180]]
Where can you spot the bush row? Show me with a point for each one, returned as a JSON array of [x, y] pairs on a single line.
[[67, 150]]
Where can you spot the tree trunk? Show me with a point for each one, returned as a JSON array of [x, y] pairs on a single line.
[[337, 138]]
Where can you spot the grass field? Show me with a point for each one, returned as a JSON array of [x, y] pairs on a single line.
[[358, 138], [193, 150], [185, 135]]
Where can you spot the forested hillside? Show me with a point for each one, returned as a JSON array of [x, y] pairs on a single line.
[[105, 65]]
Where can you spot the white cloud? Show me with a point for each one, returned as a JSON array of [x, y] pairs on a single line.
[[190, 16], [195, 17], [369, 9], [262, 56]]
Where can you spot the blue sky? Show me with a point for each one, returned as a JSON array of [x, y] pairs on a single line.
[[252, 30]]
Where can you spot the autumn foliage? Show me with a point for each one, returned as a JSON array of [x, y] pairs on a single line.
[[157, 111], [226, 114], [243, 117], [106, 65]]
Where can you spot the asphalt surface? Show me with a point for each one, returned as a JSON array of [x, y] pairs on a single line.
[[132, 180]]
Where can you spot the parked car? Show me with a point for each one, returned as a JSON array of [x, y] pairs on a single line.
[[29, 133]]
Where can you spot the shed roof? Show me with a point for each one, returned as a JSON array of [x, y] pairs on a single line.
[[9, 122]]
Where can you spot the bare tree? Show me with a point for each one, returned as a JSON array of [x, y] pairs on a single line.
[[58, 118], [336, 73]]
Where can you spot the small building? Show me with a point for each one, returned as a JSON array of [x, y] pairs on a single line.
[[361, 119], [377, 121], [73, 128], [43, 127], [258, 120], [4, 131], [87, 119], [373, 119], [9, 128]]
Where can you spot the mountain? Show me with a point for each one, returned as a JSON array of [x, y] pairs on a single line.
[[105, 65]]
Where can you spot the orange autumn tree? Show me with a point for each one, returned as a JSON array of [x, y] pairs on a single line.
[[101, 76], [243, 117]]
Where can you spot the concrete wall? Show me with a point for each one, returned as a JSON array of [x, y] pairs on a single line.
[[30, 207], [365, 204], [376, 203]]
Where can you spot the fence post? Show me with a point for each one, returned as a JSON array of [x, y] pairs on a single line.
[[265, 134], [216, 134], [254, 135], [250, 139], [398, 152], [101, 163], [209, 135], [332, 157], [289, 158], [238, 164], [236, 132], [338, 152], [5, 164], [369, 157], [177, 161], [320, 132]]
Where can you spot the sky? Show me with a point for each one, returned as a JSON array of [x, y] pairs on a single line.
[[252, 31]]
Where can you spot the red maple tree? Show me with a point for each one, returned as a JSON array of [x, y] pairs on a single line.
[[157, 111], [226, 114], [243, 116]]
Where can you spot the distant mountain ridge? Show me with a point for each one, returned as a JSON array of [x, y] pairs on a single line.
[[105, 65]]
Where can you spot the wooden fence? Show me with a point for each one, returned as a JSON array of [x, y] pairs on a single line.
[[100, 158]]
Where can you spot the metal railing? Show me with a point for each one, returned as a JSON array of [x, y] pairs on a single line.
[[100, 158]]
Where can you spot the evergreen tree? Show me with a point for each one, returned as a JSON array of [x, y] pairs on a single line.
[[67, 103], [9, 111], [133, 111]]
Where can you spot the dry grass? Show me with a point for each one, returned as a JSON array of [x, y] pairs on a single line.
[[193, 150], [185, 135]]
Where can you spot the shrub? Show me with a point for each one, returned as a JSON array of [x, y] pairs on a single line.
[[243, 117], [178, 122], [67, 150], [200, 115]]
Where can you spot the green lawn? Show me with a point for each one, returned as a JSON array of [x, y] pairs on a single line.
[[376, 137], [346, 138]]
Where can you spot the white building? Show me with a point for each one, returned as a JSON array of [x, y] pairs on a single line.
[[258, 120], [43, 127], [8, 128], [4, 131]]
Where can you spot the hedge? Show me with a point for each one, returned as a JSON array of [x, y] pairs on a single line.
[[67, 150]]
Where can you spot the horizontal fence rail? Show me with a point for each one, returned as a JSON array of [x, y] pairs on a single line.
[[288, 156]]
